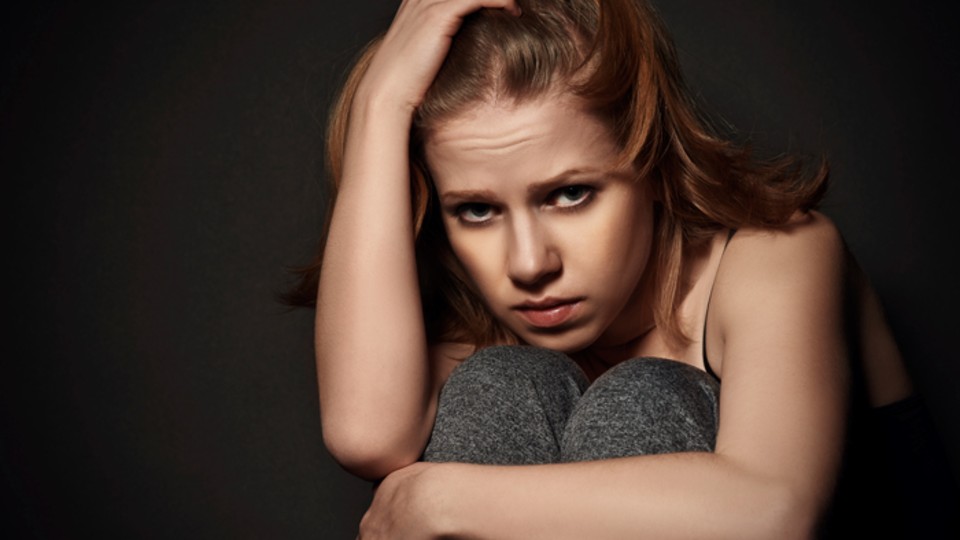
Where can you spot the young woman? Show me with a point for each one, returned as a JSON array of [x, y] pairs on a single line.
[[541, 268]]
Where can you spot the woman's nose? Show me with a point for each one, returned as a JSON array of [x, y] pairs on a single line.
[[532, 257]]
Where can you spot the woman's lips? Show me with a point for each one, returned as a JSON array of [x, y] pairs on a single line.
[[548, 313]]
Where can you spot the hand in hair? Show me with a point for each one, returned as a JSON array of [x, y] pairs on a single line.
[[412, 50]]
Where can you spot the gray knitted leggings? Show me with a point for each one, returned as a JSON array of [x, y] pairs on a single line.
[[524, 405]]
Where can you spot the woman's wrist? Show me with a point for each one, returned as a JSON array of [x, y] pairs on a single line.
[[445, 499], [381, 104], [377, 140]]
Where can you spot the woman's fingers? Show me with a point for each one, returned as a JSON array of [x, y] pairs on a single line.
[[416, 44], [469, 6], [403, 507]]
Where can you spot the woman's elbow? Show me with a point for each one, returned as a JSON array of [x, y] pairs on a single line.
[[366, 453], [788, 515]]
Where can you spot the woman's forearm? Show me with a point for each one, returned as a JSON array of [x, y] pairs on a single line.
[[370, 341], [689, 495]]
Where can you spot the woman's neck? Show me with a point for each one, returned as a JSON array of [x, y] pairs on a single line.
[[635, 333], [596, 359]]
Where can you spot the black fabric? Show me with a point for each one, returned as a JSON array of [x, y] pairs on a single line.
[[896, 480], [703, 338]]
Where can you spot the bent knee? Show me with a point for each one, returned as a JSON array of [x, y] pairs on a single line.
[[504, 365], [644, 406]]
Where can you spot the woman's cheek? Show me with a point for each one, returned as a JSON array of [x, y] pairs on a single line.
[[478, 254]]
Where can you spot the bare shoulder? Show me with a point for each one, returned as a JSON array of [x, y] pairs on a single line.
[[808, 252], [787, 277], [810, 239], [790, 284]]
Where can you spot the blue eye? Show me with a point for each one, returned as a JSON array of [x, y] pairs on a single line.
[[474, 213], [570, 196]]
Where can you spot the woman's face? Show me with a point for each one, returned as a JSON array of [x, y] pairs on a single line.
[[555, 240]]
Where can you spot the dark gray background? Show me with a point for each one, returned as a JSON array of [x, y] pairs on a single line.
[[163, 167]]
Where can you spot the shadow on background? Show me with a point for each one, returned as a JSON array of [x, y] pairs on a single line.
[[163, 166]]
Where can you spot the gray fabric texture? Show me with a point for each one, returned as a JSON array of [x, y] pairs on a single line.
[[515, 405]]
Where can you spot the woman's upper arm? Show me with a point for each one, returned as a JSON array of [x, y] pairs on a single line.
[[779, 303]]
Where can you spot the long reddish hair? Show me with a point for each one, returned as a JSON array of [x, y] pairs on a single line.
[[617, 57]]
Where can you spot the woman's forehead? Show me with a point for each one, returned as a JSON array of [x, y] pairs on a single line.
[[494, 128], [509, 145]]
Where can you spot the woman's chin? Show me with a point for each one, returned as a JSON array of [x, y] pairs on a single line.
[[569, 341]]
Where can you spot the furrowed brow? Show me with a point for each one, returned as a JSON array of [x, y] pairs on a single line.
[[558, 180], [453, 197]]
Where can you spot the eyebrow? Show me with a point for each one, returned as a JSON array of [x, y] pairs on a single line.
[[537, 187]]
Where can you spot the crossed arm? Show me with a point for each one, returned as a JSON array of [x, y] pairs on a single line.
[[778, 301]]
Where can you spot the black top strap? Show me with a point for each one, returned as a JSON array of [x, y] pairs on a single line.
[[703, 339]]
